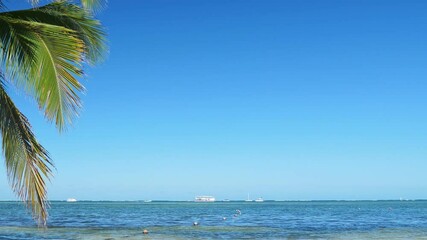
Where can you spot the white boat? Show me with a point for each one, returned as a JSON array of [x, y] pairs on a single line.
[[204, 199], [260, 199], [248, 200], [71, 200], [147, 201]]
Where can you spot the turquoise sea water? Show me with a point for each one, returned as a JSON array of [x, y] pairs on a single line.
[[267, 220]]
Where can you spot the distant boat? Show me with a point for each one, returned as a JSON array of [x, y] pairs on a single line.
[[204, 199], [147, 200], [259, 199], [248, 200], [226, 200], [71, 200]]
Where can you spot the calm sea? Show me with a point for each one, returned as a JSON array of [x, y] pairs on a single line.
[[267, 220]]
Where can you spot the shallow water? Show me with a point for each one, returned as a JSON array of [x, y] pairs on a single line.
[[267, 220]]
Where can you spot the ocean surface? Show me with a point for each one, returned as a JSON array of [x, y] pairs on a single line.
[[220, 220]]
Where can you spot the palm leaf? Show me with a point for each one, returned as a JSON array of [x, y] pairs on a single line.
[[43, 51], [87, 4], [93, 4], [72, 17], [27, 163], [43, 58]]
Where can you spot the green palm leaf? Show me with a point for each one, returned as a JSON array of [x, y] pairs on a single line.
[[93, 4], [28, 164], [72, 17], [45, 49], [87, 4], [42, 50]]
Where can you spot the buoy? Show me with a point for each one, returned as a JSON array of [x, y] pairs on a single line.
[[145, 231], [195, 224]]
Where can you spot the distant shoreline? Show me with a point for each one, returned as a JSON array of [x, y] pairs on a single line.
[[235, 201]]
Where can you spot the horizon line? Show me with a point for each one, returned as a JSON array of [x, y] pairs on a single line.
[[237, 200]]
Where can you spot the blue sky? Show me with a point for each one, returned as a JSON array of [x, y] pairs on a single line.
[[281, 99]]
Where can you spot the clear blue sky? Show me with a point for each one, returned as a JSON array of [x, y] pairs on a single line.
[[280, 99]]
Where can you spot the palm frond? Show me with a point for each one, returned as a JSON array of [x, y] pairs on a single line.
[[34, 2], [42, 58], [72, 17], [93, 5], [28, 164], [43, 50]]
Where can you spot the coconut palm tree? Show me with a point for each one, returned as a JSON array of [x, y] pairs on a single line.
[[42, 51]]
